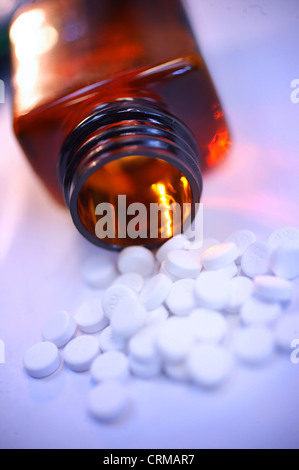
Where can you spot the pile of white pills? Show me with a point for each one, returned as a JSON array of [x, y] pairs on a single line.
[[168, 313]]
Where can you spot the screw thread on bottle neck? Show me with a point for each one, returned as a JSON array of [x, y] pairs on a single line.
[[131, 148]]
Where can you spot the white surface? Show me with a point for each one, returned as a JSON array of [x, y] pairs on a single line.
[[251, 50]]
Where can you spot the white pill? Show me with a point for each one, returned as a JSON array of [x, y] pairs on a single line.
[[283, 234], [181, 299], [253, 345], [41, 359], [255, 311], [164, 270], [145, 370], [255, 259], [132, 280], [284, 261], [174, 339], [242, 239], [219, 256], [176, 371], [182, 264], [287, 330], [111, 365], [199, 246], [98, 271], [142, 345], [156, 316], [208, 325], [209, 365], [175, 243], [240, 291], [114, 296], [128, 317], [80, 352], [229, 271], [90, 316], [110, 341], [136, 259], [273, 289], [108, 401], [59, 328], [155, 291], [212, 290]]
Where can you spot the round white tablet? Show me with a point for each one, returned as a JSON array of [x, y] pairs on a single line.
[[156, 316], [167, 273], [142, 345], [181, 299], [145, 370], [41, 359], [90, 316], [182, 264], [284, 261], [255, 259], [98, 271], [80, 352], [110, 341], [287, 330], [128, 317], [219, 256], [208, 325], [253, 345], [175, 243], [273, 289], [176, 371], [107, 401], [209, 365], [132, 280], [242, 239], [174, 339], [229, 271], [283, 234], [240, 291], [114, 296], [59, 328], [111, 365], [212, 290], [256, 311], [155, 291], [136, 259]]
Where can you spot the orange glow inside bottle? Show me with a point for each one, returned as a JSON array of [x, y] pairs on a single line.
[[113, 98]]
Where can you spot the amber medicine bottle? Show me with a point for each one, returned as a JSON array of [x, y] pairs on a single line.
[[112, 98]]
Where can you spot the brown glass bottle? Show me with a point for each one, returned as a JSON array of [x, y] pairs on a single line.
[[112, 97]]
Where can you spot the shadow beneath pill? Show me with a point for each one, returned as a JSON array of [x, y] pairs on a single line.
[[47, 388]]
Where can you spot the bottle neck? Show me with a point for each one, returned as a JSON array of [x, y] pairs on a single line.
[[134, 152]]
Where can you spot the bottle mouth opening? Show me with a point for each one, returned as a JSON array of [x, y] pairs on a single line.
[[134, 199]]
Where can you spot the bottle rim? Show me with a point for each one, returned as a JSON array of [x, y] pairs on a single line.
[[118, 130]]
